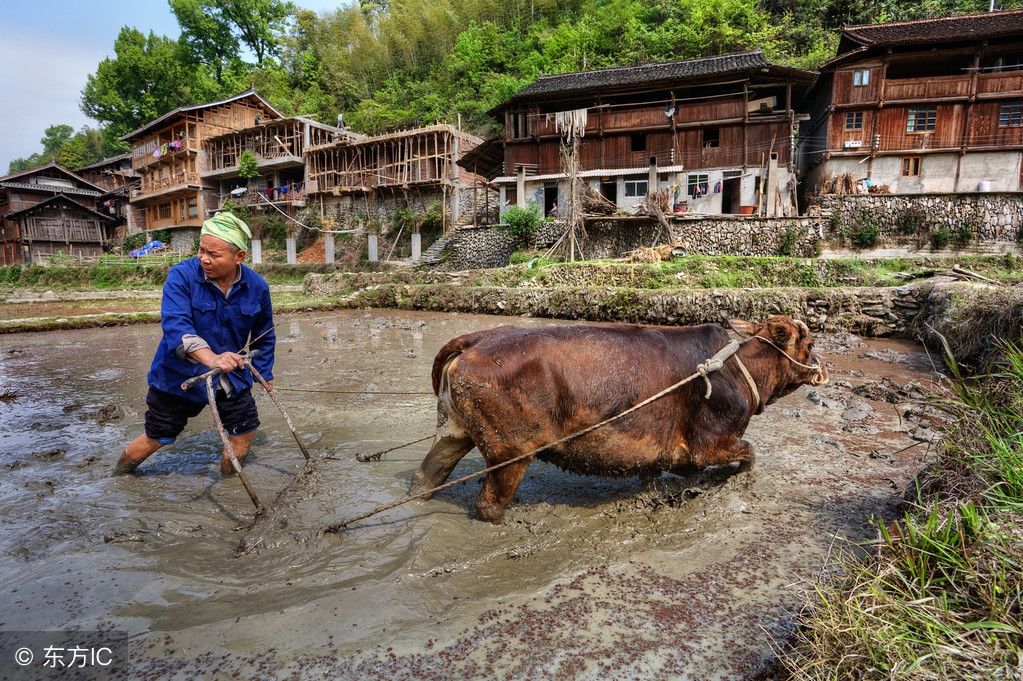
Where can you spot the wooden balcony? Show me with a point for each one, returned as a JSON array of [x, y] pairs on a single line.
[[1003, 83], [142, 156], [166, 185]]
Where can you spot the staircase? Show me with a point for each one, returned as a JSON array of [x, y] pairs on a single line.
[[433, 254]]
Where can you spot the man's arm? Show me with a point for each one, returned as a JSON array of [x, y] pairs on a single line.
[[179, 328], [263, 338]]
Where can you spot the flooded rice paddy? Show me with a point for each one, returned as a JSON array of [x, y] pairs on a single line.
[[690, 578]]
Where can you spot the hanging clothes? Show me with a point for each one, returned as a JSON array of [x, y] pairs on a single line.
[[717, 187]]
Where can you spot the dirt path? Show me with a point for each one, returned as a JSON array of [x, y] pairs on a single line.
[[587, 578]]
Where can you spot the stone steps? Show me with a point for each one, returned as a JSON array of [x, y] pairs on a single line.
[[433, 254]]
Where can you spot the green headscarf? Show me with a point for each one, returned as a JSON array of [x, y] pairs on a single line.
[[225, 225]]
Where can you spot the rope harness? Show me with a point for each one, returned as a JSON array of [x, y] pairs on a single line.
[[703, 370]]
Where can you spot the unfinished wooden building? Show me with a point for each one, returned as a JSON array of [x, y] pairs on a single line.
[[279, 147], [49, 210], [934, 105], [717, 133], [376, 176], [165, 153]]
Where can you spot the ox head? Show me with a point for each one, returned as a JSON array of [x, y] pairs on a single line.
[[796, 363]]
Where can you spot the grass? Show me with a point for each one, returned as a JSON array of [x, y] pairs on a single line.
[[696, 271], [941, 594]]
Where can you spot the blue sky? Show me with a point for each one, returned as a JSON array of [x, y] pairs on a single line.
[[49, 47]]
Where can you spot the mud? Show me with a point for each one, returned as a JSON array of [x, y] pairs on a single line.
[[692, 578]]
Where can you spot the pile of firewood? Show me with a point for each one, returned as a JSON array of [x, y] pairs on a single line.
[[840, 184], [595, 203]]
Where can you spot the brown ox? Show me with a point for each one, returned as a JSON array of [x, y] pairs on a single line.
[[509, 391]]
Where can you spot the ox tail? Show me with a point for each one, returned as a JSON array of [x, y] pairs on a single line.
[[453, 348]]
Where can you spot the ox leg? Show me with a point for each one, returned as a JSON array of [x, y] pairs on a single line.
[[444, 455], [498, 490]]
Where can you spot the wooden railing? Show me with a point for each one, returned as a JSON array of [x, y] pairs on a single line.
[[897, 89], [181, 179]]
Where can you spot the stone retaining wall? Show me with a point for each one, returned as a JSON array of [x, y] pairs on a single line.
[[992, 218], [867, 311]]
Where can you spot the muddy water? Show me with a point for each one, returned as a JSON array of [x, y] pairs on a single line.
[[587, 578]]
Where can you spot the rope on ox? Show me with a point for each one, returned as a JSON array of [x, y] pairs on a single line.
[[702, 371]]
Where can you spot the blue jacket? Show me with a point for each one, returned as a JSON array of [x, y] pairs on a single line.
[[193, 305]]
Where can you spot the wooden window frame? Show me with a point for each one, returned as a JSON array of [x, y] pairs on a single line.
[[912, 166], [856, 118], [861, 77], [635, 139], [930, 122], [1010, 115]]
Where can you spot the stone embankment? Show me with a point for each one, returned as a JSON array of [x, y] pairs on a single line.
[[869, 311]]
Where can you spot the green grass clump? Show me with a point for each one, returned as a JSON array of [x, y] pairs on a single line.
[[941, 595]]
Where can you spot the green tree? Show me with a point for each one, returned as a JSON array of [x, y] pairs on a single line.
[[259, 23], [147, 77], [209, 39]]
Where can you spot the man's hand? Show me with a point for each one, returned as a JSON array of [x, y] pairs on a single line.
[[225, 361]]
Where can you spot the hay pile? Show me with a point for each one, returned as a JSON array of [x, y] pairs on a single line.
[[840, 184], [652, 255]]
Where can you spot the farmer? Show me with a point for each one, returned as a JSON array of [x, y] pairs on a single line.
[[213, 306]]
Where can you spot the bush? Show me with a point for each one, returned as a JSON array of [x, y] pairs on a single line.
[[941, 237], [962, 235], [247, 165], [787, 243], [913, 221], [865, 233], [522, 223]]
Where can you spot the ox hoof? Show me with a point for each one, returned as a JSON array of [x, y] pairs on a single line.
[[492, 513], [419, 485]]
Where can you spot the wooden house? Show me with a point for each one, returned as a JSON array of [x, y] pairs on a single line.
[[117, 178], [407, 170], [279, 147], [934, 105], [49, 210], [165, 153], [716, 133]]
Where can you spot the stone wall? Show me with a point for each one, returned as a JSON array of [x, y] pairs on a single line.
[[864, 310], [479, 247], [993, 219], [384, 203]]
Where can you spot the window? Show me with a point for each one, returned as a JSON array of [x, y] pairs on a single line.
[[861, 77], [696, 184], [635, 188], [165, 211], [637, 142], [911, 166], [922, 119], [193, 208], [1010, 115], [711, 138], [518, 127], [854, 120]]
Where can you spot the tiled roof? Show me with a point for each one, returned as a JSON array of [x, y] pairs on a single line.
[[964, 27], [647, 74], [16, 178], [56, 199]]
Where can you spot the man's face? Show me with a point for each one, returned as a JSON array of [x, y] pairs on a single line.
[[218, 258]]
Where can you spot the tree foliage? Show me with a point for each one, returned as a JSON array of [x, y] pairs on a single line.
[[387, 64]]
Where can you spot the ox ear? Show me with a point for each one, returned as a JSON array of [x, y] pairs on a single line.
[[742, 327], [782, 332]]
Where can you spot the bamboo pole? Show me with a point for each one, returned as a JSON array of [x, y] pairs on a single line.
[[273, 398]]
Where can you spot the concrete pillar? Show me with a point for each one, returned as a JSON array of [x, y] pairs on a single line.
[[502, 200], [456, 204], [520, 188], [372, 247], [651, 182], [292, 251], [328, 248], [417, 247], [257, 251], [771, 191]]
